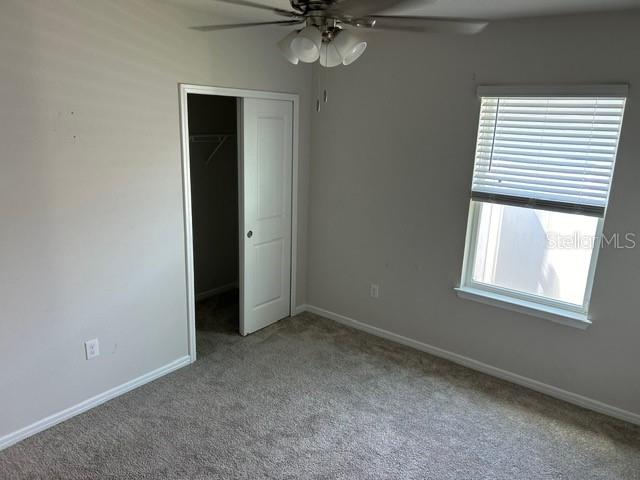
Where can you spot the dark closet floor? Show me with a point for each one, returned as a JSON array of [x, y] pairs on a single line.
[[217, 322]]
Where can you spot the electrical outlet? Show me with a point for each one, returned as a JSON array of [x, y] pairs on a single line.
[[92, 348], [374, 290]]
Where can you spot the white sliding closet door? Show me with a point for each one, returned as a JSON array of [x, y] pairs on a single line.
[[265, 186]]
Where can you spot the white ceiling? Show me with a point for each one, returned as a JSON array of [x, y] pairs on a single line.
[[516, 8], [489, 9]]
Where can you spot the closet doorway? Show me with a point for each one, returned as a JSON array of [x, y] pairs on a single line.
[[240, 196]]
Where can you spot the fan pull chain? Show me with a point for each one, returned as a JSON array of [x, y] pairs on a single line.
[[318, 84], [325, 95], [326, 55]]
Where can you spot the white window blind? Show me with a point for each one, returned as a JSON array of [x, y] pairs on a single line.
[[556, 152]]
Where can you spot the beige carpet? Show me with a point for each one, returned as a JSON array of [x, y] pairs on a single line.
[[308, 398]]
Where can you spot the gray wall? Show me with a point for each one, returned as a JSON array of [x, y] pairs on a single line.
[[91, 240], [392, 159], [214, 192]]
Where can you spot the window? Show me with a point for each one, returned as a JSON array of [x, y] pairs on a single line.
[[541, 181]]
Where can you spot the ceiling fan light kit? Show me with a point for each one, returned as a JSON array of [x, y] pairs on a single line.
[[331, 45], [324, 35], [306, 45], [285, 47], [329, 56], [349, 47]]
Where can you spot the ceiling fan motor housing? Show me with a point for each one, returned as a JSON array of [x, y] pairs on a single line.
[[305, 6]]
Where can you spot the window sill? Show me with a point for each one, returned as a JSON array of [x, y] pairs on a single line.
[[554, 314]]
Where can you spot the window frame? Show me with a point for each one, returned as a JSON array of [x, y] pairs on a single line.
[[551, 309], [469, 287]]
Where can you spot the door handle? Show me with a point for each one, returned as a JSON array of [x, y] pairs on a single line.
[[249, 234]]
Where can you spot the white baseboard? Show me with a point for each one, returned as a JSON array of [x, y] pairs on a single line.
[[88, 404], [300, 309], [216, 291], [550, 390]]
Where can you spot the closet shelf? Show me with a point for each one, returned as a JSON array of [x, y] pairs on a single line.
[[218, 138]]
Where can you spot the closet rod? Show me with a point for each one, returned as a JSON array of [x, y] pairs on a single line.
[[220, 139], [210, 137]]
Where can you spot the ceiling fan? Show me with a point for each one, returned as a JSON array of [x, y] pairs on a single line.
[[325, 27]]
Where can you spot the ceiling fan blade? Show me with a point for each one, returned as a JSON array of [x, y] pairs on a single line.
[[213, 28], [245, 3], [360, 8], [424, 24]]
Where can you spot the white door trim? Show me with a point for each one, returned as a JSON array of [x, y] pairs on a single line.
[[184, 90]]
